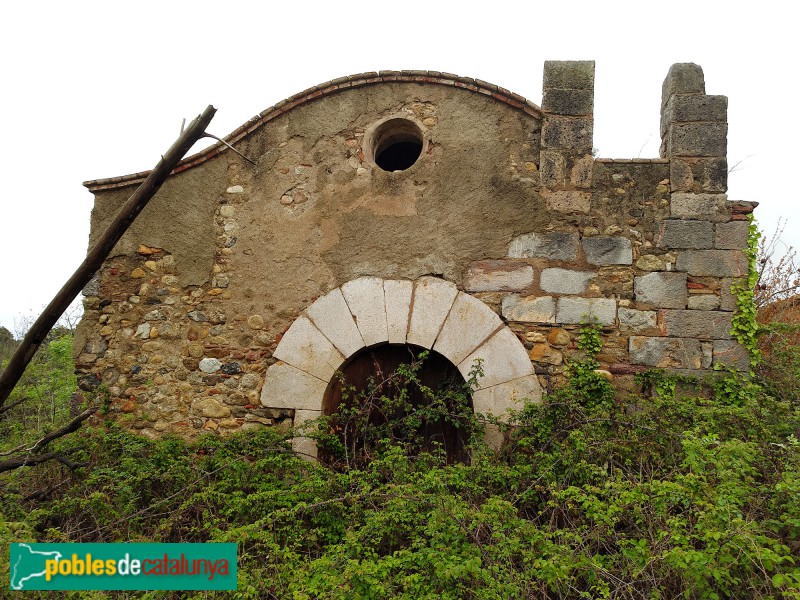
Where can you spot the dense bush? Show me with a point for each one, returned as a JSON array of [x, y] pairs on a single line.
[[663, 495]]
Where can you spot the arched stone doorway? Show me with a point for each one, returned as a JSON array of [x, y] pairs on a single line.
[[374, 374], [429, 312]]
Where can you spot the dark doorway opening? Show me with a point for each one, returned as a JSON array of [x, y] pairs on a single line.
[[369, 375]]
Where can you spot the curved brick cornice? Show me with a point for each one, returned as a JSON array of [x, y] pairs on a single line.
[[429, 312], [325, 89]]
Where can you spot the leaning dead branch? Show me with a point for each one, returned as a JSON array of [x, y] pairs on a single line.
[[94, 259], [33, 455]]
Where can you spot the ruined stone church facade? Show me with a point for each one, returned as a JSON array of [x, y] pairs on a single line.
[[419, 209]]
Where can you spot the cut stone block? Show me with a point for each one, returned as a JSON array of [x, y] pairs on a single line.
[[731, 236], [714, 263], [664, 353], [365, 298], [303, 346], [703, 302], [332, 317], [697, 139], [565, 281], [683, 78], [612, 250], [586, 310], [498, 276], [504, 358], [700, 324], [304, 446], [727, 300], [469, 323], [553, 245], [500, 400], [731, 353], [694, 108], [288, 387], [637, 320], [685, 233], [708, 207], [397, 293], [559, 101], [568, 74], [432, 301], [663, 290], [529, 309], [568, 133]]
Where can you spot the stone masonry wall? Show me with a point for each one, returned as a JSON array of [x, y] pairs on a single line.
[[506, 202]]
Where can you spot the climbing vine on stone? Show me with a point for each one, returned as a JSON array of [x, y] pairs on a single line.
[[744, 326]]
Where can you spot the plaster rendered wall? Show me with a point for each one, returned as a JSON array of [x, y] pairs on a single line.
[[506, 204]]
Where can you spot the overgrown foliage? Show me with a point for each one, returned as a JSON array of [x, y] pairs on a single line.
[[667, 494], [679, 491], [745, 325]]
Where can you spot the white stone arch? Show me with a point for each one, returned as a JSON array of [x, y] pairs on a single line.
[[369, 311]]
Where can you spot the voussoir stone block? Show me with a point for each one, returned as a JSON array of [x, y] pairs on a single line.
[[303, 346], [712, 263], [662, 290], [499, 400], [612, 250], [469, 323], [555, 245], [432, 301], [664, 353], [365, 298], [686, 233], [397, 294], [700, 324], [503, 358], [565, 281], [498, 276], [286, 386], [529, 309], [332, 317], [586, 310]]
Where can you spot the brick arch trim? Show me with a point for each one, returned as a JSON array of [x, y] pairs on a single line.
[[369, 311]]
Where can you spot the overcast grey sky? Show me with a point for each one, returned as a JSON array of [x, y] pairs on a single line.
[[99, 89]]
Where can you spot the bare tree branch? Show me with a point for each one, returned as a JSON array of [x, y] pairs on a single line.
[[95, 257]]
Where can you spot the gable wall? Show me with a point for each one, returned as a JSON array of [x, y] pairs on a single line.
[[506, 203]]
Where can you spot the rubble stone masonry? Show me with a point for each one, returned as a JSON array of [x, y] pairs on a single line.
[[242, 288]]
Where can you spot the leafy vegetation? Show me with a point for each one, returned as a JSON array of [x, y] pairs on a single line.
[[678, 491]]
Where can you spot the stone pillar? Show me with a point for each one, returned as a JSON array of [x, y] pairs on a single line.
[[694, 132], [568, 105]]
